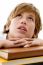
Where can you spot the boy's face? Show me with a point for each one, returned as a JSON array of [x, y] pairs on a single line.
[[23, 25]]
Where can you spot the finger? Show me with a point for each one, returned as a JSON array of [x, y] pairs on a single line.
[[19, 45], [27, 46], [22, 43], [19, 41]]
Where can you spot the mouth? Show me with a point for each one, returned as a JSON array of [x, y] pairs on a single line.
[[22, 28]]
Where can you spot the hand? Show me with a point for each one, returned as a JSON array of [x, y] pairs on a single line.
[[35, 42], [22, 42], [16, 43], [6, 43]]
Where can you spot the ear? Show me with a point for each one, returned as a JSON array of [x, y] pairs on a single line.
[[6, 29]]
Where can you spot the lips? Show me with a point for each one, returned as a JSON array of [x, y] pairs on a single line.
[[23, 28]]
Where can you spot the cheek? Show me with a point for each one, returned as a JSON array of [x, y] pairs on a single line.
[[31, 27], [14, 24]]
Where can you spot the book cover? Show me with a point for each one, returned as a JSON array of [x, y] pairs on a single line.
[[16, 53], [32, 60]]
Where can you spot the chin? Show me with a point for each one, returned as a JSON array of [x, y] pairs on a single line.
[[20, 36]]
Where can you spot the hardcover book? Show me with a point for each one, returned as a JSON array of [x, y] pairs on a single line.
[[16, 53]]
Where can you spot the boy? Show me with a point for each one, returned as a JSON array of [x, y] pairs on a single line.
[[22, 27]]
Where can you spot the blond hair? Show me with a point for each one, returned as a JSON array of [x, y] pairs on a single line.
[[25, 7]]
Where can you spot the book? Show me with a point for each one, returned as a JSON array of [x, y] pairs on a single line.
[[16, 53], [24, 61]]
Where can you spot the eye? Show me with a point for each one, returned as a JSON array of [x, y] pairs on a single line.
[[19, 15], [30, 18]]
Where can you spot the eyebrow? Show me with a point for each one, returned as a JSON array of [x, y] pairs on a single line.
[[32, 16]]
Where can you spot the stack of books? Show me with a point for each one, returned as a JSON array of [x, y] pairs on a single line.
[[23, 61], [18, 56], [16, 53]]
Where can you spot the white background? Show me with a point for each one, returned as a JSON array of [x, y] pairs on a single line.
[[6, 7]]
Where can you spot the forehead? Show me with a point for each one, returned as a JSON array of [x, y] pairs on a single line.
[[28, 13], [22, 9]]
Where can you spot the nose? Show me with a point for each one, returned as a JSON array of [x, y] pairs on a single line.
[[23, 22]]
